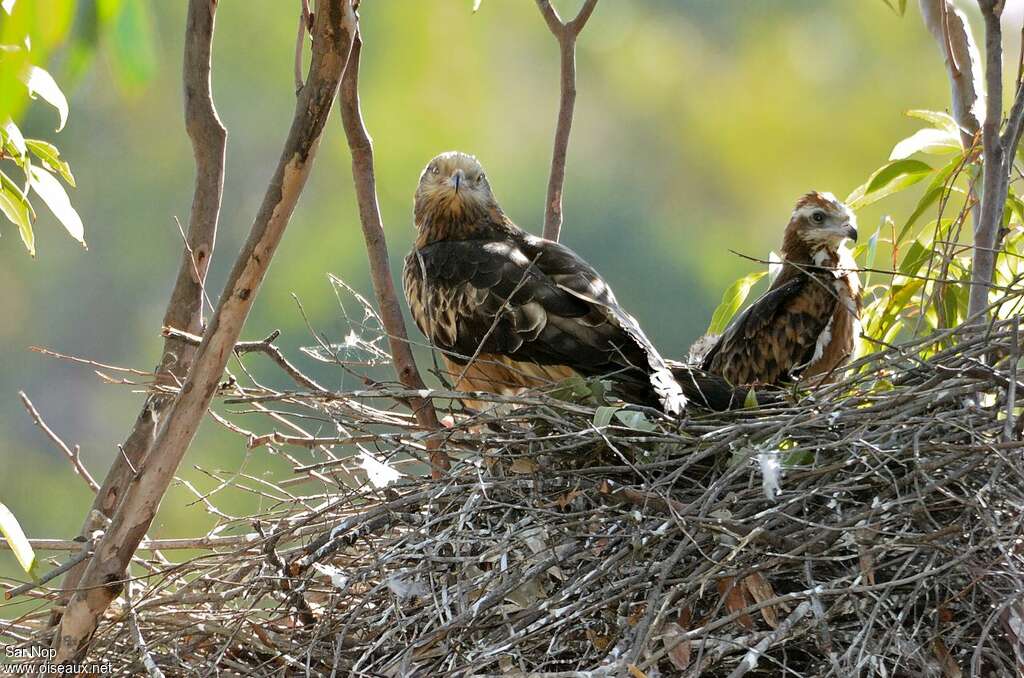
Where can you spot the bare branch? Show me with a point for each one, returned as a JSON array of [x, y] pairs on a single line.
[[73, 456], [101, 581], [948, 25], [361, 147], [185, 307], [566, 34], [998, 160], [265, 346], [85, 550]]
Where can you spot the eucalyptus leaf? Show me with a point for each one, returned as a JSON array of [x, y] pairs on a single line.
[[15, 207], [603, 415], [635, 420], [53, 194], [888, 179], [50, 156], [732, 300], [14, 138], [938, 118], [41, 83], [19, 544], [927, 140]]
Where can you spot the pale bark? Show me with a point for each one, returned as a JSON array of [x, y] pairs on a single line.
[[997, 152], [102, 580], [185, 307], [566, 34]]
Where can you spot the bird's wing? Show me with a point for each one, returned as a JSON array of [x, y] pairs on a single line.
[[776, 335], [530, 299]]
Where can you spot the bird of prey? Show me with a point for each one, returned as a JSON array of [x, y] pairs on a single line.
[[808, 322], [511, 311]]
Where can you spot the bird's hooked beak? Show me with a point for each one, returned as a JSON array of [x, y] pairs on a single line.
[[850, 231], [456, 179]]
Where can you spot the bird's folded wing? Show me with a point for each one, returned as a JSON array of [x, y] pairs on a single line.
[[774, 334], [534, 300]]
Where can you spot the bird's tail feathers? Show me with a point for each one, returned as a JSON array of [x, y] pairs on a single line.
[[715, 393], [666, 388]]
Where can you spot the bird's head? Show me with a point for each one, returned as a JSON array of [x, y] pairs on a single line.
[[453, 188], [819, 223]]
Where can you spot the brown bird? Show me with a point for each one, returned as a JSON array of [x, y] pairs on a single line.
[[511, 311], [808, 322]]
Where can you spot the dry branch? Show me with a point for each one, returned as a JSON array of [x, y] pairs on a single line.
[[74, 456], [949, 26], [998, 151], [361, 147], [185, 307], [101, 581], [566, 34]]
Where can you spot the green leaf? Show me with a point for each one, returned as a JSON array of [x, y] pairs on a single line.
[[635, 420], [41, 83], [931, 195], [15, 207], [15, 537], [732, 299], [50, 156], [939, 119], [53, 194], [927, 140], [750, 400], [917, 255], [476, 5], [12, 135], [603, 415], [888, 179]]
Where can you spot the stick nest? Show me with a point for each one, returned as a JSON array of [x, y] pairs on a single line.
[[872, 527]]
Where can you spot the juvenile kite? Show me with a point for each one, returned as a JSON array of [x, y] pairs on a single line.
[[808, 322], [511, 311]]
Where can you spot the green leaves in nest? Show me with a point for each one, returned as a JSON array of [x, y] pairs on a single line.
[[732, 300]]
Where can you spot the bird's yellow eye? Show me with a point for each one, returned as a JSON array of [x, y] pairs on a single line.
[[818, 217]]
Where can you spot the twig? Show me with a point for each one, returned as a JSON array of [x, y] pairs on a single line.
[[566, 34], [265, 346], [152, 670], [1011, 389], [74, 456], [84, 552], [755, 653], [135, 512], [361, 148]]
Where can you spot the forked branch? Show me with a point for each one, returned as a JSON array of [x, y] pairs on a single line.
[[999, 145], [105, 573], [361, 148], [185, 306], [566, 34]]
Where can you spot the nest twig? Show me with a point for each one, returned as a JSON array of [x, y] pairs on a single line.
[[871, 528]]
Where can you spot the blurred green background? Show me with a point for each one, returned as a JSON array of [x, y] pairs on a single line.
[[698, 124]]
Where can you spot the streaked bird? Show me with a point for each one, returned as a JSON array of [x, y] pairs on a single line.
[[510, 311], [806, 326]]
